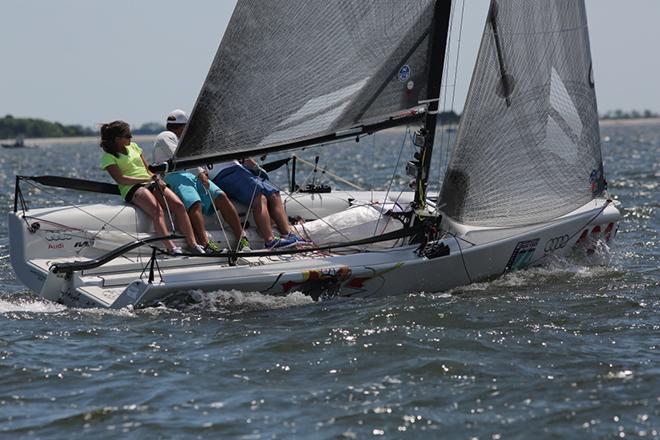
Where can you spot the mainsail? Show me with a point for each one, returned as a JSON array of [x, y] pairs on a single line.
[[288, 70], [528, 147]]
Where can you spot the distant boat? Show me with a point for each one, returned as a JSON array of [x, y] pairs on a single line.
[[18, 143]]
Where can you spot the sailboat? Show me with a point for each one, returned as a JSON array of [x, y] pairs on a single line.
[[18, 143], [525, 180]]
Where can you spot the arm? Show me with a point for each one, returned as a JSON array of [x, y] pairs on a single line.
[[119, 177], [250, 163], [254, 168], [203, 177], [156, 177], [146, 165]]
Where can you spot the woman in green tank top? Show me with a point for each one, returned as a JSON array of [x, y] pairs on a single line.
[[124, 161]]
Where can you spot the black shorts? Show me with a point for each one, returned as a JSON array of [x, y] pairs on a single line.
[[131, 192]]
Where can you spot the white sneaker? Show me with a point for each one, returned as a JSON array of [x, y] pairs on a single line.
[[198, 249], [176, 250]]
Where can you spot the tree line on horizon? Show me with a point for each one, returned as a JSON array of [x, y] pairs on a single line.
[[11, 127], [634, 114]]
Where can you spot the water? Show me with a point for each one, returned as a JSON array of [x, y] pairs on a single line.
[[569, 350]]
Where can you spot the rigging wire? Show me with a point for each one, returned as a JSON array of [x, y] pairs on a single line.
[[290, 197], [102, 221], [396, 167], [341, 179], [217, 216], [444, 148]]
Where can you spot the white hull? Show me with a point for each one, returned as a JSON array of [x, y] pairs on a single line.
[[475, 254]]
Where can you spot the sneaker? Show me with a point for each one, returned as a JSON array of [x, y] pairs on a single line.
[[298, 239], [198, 249], [243, 245], [212, 246], [279, 243], [176, 250]]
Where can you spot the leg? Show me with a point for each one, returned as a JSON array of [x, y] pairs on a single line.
[[276, 209], [229, 213], [181, 219], [240, 184], [198, 224], [261, 217], [146, 201]]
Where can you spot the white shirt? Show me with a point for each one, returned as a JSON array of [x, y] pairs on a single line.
[[221, 166], [165, 146]]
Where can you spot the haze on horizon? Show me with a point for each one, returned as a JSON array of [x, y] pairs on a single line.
[[86, 62]]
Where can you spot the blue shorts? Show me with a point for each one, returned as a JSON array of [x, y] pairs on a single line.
[[191, 190], [240, 184]]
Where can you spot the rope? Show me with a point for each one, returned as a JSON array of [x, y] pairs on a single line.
[[290, 197], [396, 167], [341, 179], [444, 149], [222, 228], [105, 223]]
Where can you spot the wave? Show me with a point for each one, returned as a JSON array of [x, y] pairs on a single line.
[[30, 305], [234, 301], [600, 265]]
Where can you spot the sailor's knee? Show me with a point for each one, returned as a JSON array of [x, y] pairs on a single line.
[[195, 208], [258, 203]]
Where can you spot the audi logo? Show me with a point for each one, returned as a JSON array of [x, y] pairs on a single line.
[[56, 236], [556, 243]]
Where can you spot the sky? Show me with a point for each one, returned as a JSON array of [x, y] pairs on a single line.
[[91, 61]]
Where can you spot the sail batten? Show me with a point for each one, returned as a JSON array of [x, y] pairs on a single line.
[[528, 146], [291, 70]]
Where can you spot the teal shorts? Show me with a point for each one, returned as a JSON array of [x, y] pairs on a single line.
[[191, 190]]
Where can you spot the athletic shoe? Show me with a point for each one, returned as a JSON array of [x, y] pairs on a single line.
[[244, 245], [296, 238], [279, 243], [176, 250], [212, 247], [198, 249]]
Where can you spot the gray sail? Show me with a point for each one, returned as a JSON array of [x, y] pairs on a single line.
[[296, 69], [528, 147]]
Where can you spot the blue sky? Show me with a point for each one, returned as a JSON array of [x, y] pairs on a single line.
[[90, 61]]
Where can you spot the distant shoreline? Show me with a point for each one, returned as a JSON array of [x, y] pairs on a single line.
[[76, 140], [145, 138], [629, 121]]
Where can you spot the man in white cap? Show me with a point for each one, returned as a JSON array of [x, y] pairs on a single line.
[[193, 187]]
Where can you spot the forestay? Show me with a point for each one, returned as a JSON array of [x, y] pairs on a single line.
[[289, 69], [528, 148]]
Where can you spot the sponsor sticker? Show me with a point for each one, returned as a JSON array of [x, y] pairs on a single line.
[[556, 243], [56, 236], [404, 73], [522, 254]]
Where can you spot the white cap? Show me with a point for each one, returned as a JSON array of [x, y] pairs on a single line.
[[177, 116]]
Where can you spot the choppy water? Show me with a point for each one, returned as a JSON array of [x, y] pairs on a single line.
[[570, 350]]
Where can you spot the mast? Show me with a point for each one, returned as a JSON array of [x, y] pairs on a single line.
[[438, 42]]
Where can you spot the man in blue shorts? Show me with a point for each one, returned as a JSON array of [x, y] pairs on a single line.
[[198, 193], [249, 185]]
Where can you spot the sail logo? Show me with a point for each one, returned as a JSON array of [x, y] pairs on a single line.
[[404, 73], [564, 125]]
